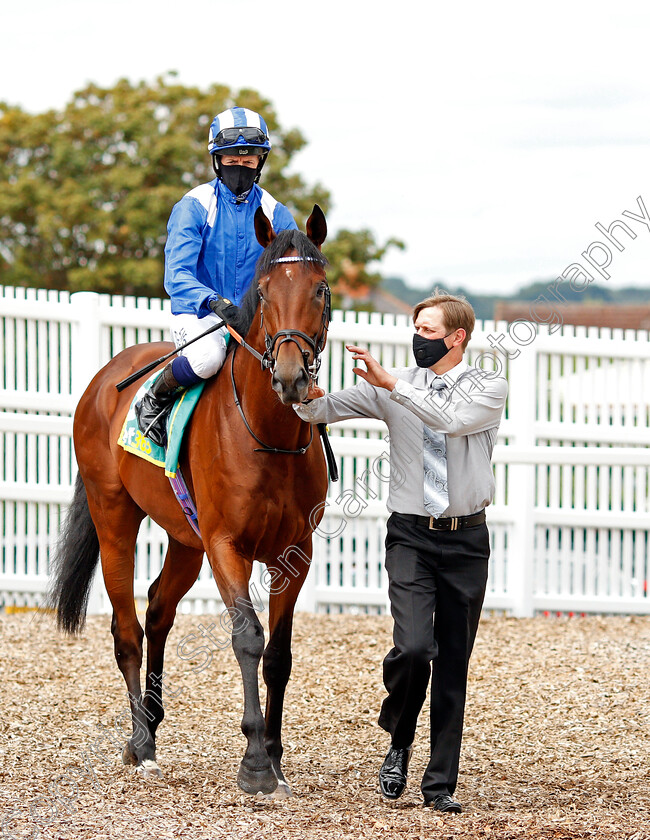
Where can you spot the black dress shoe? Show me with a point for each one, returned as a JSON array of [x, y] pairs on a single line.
[[393, 772], [443, 802]]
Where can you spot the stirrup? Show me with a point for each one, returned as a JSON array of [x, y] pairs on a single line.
[[155, 428], [158, 425]]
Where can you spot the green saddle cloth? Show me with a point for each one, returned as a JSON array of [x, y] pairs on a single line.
[[132, 439]]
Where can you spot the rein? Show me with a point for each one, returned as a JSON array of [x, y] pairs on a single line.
[[264, 446]]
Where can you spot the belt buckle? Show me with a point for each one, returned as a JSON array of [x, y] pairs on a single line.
[[453, 524]]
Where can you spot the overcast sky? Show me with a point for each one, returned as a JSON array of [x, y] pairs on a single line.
[[489, 137]]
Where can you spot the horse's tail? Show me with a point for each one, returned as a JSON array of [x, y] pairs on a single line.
[[75, 560]]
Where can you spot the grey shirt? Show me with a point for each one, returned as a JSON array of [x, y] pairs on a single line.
[[468, 411]]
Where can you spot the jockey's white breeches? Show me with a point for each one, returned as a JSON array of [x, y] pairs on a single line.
[[207, 355]]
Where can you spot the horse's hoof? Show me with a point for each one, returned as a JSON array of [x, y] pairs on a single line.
[[149, 769], [128, 756], [257, 781], [282, 791]]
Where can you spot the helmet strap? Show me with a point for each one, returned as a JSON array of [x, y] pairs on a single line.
[[260, 166]]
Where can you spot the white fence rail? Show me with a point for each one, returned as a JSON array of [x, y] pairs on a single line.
[[569, 522]]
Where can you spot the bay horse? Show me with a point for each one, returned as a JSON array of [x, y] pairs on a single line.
[[254, 502]]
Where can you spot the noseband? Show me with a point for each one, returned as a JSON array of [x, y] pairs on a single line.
[[273, 343]]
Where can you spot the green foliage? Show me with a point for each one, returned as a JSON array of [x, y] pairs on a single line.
[[87, 191]]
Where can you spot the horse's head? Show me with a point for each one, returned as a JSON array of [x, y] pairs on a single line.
[[294, 301]]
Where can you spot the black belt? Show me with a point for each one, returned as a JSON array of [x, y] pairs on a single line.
[[446, 523]]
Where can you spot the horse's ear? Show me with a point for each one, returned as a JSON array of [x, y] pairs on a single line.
[[263, 229], [317, 226]]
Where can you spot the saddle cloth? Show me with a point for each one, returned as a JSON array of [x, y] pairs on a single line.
[[132, 440]]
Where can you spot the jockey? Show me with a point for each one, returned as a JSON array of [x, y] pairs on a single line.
[[211, 253]]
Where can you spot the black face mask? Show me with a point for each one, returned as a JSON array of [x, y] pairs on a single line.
[[238, 179], [429, 351]]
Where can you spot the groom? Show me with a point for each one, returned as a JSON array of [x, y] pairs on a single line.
[[442, 418]]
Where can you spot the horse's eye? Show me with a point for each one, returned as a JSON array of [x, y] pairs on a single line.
[[321, 291]]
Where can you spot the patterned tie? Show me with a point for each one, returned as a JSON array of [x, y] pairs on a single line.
[[436, 498]]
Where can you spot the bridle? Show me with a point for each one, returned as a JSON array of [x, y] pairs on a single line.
[[273, 343], [282, 336]]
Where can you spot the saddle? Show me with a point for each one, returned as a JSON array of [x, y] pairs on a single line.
[[132, 440]]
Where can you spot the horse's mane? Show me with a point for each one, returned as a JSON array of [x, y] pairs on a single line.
[[285, 241]]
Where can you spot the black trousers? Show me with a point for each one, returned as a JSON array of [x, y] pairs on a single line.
[[437, 583]]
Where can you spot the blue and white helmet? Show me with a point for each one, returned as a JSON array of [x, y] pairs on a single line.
[[239, 131]]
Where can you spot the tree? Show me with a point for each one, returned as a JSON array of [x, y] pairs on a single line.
[[349, 254], [87, 191]]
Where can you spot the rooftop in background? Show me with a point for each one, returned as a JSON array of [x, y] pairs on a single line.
[[614, 316], [373, 298]]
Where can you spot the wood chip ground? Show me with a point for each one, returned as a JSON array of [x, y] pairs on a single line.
[[557, 736]]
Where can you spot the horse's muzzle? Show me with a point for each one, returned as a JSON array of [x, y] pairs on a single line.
[[291, 386]]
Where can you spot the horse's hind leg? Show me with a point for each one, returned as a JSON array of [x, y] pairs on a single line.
[[181, 569], [117, 520]]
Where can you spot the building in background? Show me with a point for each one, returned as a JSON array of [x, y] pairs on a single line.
[[370, 299], [611, 315]]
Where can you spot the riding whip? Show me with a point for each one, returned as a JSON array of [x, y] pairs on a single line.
[[143, 371]]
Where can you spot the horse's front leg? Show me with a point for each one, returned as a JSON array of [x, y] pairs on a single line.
[[277, 662], [232, 572]]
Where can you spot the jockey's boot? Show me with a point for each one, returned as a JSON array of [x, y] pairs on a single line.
[[152, 410]]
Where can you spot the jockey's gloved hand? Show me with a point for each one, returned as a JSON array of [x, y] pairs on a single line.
[[225, 309]]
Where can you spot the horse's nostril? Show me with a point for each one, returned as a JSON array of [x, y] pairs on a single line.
[[291, 388]]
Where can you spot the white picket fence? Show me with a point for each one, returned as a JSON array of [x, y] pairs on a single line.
[[569, 523]]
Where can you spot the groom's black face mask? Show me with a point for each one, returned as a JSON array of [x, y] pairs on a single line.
[[429, 351]]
